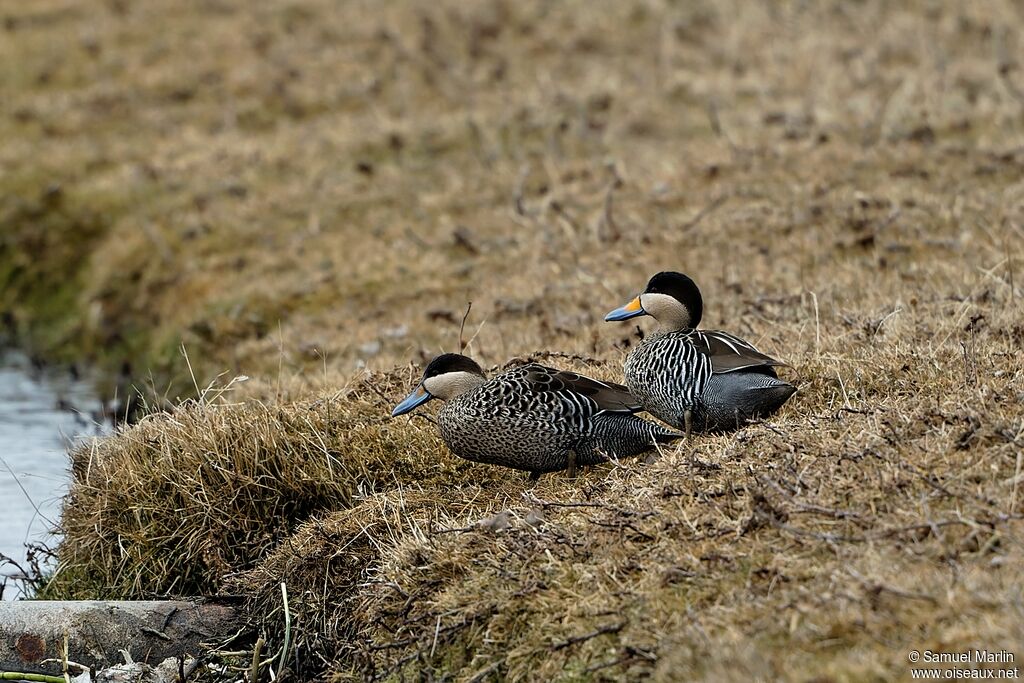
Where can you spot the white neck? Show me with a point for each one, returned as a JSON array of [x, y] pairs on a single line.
[[667, 310], [451, 384]]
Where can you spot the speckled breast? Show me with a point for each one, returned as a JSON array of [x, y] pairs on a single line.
[[494, 434]]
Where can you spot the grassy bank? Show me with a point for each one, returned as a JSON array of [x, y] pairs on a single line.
[[308, 195]]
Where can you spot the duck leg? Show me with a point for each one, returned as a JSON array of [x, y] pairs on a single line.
[[571, 469], [534, 476], [688, 423]]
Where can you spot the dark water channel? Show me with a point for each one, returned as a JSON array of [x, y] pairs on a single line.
[[42, 412]]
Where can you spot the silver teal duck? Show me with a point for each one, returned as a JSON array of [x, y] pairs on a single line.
[[532, 417], [696, 380]]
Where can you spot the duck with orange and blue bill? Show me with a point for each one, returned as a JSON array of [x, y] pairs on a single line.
[[696, 380]]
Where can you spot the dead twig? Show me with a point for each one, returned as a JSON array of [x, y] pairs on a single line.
[[517, 194], [563, 213], [929, 526], [716, 127], [489, 669], [807, 507], [254, 668], [604, 630], [1011, 87], [462, 327], [623, 525], [156, 634]]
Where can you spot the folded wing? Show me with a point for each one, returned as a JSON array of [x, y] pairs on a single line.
[[729, 353], [606, 396]]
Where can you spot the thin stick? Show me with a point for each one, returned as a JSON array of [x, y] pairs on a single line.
[[280, 358], [479, 327], [517, 197], [563, 213], [610, 628], [1009, 267], [482, 674], [82, 668], [1011, 87], [195, 383], [30, 501], [1016, 481], [287, 629], [462, 327], [254, 669], [437, 631], [878, 327], [817, 327], [25, 676], [717, 129], [64, 660], [842, 386]]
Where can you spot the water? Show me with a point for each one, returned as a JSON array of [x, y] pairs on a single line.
[[41, 413]]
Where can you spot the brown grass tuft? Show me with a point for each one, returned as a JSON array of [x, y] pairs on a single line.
[[174, 503]]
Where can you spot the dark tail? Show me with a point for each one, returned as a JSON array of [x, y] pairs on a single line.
[[665, 436], [771, 397]]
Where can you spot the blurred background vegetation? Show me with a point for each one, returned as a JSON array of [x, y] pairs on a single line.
[[277, 184]]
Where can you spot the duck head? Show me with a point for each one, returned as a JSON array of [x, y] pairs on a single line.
[[446, 377], [671, 298]]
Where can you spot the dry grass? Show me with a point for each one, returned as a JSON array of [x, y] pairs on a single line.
[[308, 194], [180, 500]]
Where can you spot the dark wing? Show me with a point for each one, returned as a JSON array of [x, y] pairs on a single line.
[[729, 353], [607, 396]]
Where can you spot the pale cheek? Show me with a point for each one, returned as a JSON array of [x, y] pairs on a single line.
[[450, 385], [436, 386], [665, 309]]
